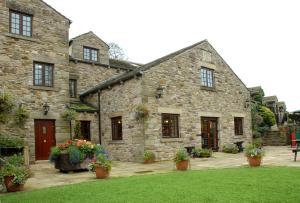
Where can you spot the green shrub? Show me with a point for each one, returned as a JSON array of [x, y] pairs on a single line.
[[77, 130], [149, 156], [55, 152], [202, 153], [6, 106], [181, 155], [75, 155], [231, 149], [258, 142], [21, 115], [268, 115], [12, 142], [16, 160]]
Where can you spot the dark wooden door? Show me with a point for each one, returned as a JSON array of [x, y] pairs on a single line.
[[85, 127], [209, 129], [44, 138]]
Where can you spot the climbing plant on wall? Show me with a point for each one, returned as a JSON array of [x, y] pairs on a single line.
[[6, 106]]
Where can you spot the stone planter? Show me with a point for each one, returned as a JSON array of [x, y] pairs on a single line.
[[254, 161], [63, 164], [101, 173], [10, 187], [182, 166]]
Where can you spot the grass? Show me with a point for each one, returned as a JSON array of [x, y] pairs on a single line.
[[278, 184]]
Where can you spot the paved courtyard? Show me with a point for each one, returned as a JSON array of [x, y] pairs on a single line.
[[46, 176]]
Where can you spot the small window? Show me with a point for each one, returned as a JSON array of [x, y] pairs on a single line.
[[20, 24], [116, 127], [73, 88], [90, 54], [170, 125], [43, 74], [238, 126], [207, 77]]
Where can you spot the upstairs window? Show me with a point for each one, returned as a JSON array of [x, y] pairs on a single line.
[[238, 126], [43, 74], [20, 23], [73, 88], [170, 125], [207, 77], [116, 127], [90, 54]]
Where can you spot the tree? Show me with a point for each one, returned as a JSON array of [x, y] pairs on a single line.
[[116, 52]]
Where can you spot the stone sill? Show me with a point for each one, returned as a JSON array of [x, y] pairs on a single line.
[[241, 137], [43, 88], [21, 37], [166, 140], [212, 89], [116, 142]]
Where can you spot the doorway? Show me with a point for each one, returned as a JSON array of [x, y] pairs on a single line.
[[44, 131], [209, 129]]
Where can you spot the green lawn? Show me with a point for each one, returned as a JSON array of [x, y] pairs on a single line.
[[224, 185]]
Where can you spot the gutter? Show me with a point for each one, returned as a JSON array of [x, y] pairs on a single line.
[[99, 117]]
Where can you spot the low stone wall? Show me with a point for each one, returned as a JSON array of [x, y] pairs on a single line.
[[276, 137]]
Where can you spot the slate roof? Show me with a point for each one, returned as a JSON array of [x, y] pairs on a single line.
[[82, 107], [139, 71]]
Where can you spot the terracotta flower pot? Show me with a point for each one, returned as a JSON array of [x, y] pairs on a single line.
[[182, 166], [254, 161], [10, 186], [101, 173], [149, 161]]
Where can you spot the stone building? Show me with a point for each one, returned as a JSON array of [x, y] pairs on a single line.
[[190, 98]]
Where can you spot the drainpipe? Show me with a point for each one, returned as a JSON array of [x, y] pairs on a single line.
[[99, 117]]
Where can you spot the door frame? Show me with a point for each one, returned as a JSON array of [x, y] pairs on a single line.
[[215, 146], [54, 133]]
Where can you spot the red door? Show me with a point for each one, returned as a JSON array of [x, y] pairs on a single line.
[[44, 138]]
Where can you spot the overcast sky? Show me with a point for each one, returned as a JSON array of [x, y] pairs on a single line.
[[259, 39]]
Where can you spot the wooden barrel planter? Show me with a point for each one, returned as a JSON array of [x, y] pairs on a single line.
[[64, 165]]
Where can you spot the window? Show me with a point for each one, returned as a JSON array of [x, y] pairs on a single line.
[[207, 77], [116, 127], [238, 126], [20, 24], [73, 88], [85, 128], [43, 74], [90, 54], [170, 125]]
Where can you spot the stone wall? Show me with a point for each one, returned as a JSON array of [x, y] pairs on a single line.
[[49, 44], [180, 78], [89, 40], [89, 75], [276, 138], [182, 95], [121, 100]]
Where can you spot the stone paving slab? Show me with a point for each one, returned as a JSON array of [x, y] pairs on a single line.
[[45, 175]]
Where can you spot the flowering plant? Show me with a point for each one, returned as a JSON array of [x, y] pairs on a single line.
[[77, 150], [101, 160], [253, 151]]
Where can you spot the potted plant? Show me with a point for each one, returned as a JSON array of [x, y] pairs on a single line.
[[141, 112], [149, 157], [74, 155], [101, 165], [14, 173], [182, 160], [254, 155]]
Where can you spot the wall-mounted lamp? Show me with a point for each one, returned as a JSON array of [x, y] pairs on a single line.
[[159, 92], [247, 103], [46, 108]]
